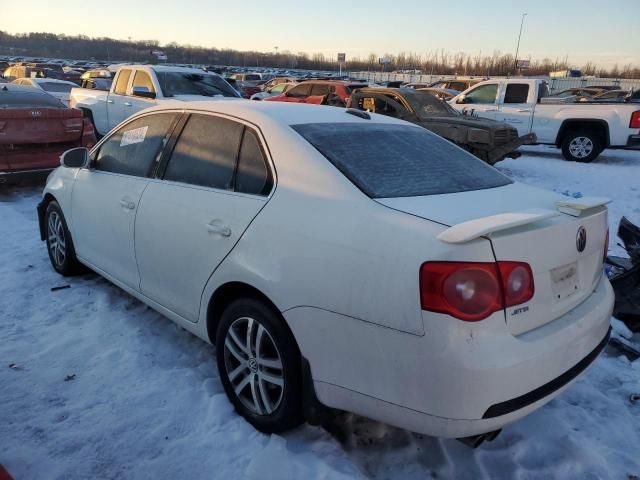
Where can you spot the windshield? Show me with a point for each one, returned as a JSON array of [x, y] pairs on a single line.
[[389, 161], [56, 87], [180, 83], [427, 105], [31, 99]]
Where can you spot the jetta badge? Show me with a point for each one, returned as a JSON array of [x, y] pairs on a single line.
[[581, 239]]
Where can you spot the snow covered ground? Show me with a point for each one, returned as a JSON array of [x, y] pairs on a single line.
[[93, 384]]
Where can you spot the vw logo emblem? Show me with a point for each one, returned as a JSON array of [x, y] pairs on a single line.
[[581, 239]]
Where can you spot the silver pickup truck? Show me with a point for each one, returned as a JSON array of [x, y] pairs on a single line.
[[136, 87]]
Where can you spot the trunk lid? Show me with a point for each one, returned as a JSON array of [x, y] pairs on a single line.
[[564, 276], [37, 125]]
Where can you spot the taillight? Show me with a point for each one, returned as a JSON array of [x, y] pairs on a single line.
[[635, 120], [471, 291], [88, 133], [72, 123], [517, 282]]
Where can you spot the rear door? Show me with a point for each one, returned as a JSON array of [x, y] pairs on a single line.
[[119, 103], [516, 107], [106, 197], [192, 217], [318, 93]]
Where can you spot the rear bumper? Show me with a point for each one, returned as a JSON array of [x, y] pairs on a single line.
[[633, 142], [457, 380]]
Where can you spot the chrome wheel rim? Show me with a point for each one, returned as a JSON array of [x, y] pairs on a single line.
[[581, 147], [254, 366], [57, 242]]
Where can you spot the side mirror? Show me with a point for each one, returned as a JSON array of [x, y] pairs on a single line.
[[75, 158], [461, 99], [143, 92]]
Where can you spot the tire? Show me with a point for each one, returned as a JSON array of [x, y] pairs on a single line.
[[581, 146], [59, 243], [264, 371]]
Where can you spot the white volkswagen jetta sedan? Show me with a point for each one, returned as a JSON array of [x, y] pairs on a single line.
[[340, 259]]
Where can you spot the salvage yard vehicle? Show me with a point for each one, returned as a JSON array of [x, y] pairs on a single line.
[[489, 140], [35, 129], [273, 90], [136, 87], [342, 259], [335, 93], [56, 88], [581, 129]]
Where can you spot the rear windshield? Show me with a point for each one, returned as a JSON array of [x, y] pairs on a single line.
[[251, 77], [182, 83], [56, 87], [31, 99], [389, 161]]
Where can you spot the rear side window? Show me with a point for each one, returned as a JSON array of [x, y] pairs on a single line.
[[253, 174], [205, 153], [320, 90], [123, 80], [389, 161], [136, 146], [516, 93]]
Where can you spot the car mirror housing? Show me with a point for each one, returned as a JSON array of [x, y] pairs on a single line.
[[75, 158], [143, 92], [461, 99]]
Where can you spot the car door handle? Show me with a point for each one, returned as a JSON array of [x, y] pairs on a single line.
[[109, 101], [522, 110], [490, 110], [217, 227], [128, 104], [129, 205]]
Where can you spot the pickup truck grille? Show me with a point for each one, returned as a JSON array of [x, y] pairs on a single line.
[[504, 135]]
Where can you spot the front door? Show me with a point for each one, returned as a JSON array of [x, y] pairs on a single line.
[[190, 220], [106, 196], [482, 101], [516, 108]]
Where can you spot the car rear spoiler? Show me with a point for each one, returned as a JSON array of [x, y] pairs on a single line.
[[466, 231], [576, 206]]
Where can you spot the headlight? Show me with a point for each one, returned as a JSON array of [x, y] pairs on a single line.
[[476, 135]]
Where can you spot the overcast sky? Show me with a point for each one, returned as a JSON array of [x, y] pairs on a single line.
[[604, 32]]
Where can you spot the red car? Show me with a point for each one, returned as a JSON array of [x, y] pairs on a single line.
[[35, 129], [319, 92]]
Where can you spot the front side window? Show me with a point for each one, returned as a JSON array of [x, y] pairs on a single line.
[[320, 90], [134, 148], [142, 79], [300, 91], [483, 94], [516, 93], [205, 154], [123, 81]]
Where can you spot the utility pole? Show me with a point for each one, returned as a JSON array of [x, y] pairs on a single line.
[[515, 64]]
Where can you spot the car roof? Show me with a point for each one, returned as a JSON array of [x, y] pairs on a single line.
[[274, 113]]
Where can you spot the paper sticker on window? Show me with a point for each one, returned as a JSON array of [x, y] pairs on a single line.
[[133, 136]]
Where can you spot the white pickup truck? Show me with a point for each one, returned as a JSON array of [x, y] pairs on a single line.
[[136, 87], [582, 129]]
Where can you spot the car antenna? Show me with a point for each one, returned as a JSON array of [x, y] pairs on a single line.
[[358, 113]]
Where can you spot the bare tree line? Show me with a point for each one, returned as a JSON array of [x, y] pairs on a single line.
[[440, 62]]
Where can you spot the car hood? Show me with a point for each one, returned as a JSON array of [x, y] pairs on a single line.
[[467, 121]]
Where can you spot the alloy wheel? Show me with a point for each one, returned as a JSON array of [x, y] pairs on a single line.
[[581, 147], [254, 366], [57, 241]]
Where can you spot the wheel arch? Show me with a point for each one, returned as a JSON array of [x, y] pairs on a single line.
[[599, 125], [227, 293]]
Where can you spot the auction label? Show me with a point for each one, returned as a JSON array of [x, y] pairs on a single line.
[[133, 136]]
